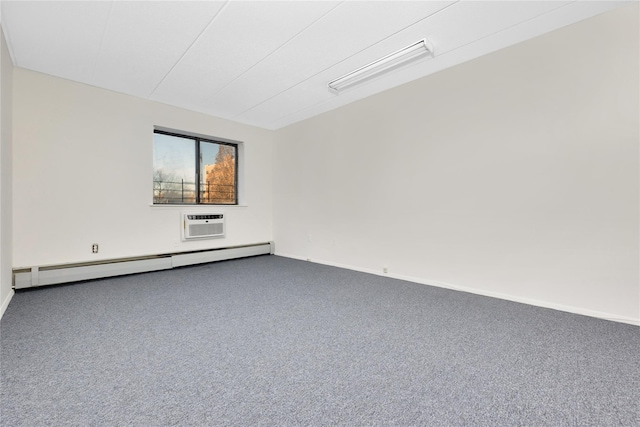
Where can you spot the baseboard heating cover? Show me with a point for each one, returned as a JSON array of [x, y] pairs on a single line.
[[68, 273]]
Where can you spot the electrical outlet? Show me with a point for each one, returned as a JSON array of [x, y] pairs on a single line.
[[94, 248], [385, 270]]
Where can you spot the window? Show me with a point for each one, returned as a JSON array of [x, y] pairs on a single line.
[[194, 170]]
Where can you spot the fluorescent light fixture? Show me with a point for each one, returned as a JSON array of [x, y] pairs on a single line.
[[390, 62]]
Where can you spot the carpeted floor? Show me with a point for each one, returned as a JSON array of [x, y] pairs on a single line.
[[270, 341]]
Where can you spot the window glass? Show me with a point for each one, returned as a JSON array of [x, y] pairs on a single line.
[[217, 173], [175, 170]]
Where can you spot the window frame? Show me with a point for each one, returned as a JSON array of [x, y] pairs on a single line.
[[197, 139]]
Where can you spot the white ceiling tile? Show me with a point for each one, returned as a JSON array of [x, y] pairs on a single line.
[[161, 32], [291, 102], [57, 38], [458, 25], [347, 30], [462, 24], [467, 21], [241, 36]]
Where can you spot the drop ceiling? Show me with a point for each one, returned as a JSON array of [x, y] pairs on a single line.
[[263, 63]]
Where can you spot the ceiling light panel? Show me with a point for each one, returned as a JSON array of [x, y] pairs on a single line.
[[162, 31], [345, 32], [58, 38], [383, 65], [243, 35]]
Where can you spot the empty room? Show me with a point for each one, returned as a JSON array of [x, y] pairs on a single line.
[[310, 213]]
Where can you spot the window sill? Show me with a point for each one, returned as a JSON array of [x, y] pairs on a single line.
[[175, 205]]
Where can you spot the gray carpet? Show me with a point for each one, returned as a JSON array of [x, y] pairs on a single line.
[[277, 342]]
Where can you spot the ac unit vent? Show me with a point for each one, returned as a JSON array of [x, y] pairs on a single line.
[[202, 226]]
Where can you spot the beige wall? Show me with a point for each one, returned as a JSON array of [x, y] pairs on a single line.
[[513, 175], [83, 160], [6, 74]]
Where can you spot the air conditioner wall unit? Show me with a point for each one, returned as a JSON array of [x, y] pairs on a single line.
[[202, 226]]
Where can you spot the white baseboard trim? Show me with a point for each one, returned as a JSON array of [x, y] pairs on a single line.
[[6, 302], [436, 283], [68, 273]]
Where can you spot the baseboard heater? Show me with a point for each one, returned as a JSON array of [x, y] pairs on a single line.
[[67, 273]]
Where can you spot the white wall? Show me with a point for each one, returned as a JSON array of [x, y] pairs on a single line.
[[83, 160], [513, 175], [6, 74]]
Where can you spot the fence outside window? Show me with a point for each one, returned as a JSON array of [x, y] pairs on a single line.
[[182, 192]]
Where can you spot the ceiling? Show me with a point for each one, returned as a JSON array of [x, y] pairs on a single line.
[[264, 63]]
